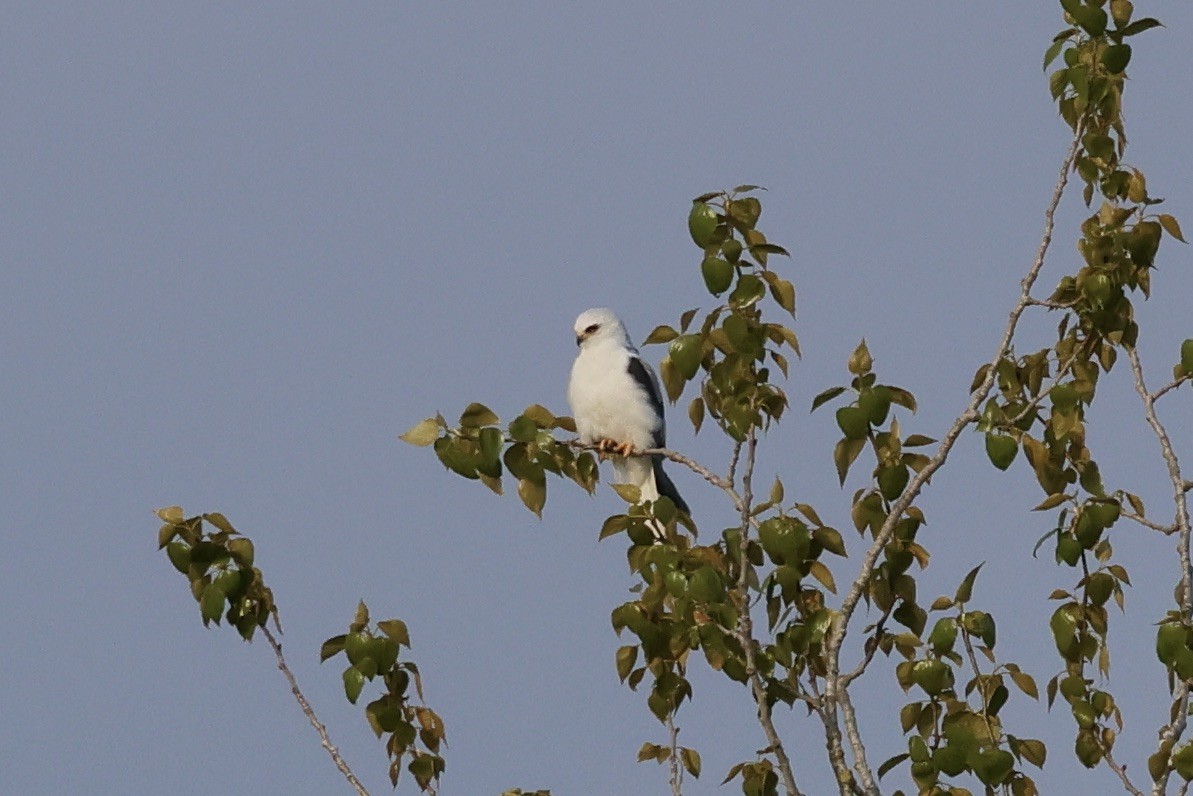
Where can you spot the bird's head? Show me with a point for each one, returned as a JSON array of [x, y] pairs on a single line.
[[599, 324]]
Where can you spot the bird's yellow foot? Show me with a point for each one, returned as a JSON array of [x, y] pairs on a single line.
[[609, 447]]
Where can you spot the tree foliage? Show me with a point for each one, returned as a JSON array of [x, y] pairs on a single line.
[[768, 601]]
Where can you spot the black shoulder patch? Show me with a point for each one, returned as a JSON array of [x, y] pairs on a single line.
[[642, 376]]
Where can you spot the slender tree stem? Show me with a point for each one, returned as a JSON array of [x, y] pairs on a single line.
[[745, 625], [1121, 772], [1170, 733], [676, 779], [310, 714], [834, 684]]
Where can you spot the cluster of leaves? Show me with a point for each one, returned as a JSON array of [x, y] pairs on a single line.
[[868, 420], [372, 652], [219, 565], [478, 448], [733, 343], [951, 732], [1042, 398]]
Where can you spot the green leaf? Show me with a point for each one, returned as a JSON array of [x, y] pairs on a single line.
[[396, 630], [750, 289], [533, 495], [660, 334], [649, 751], [844, 454], [1052, 501], [691, 760], [1093, 20], [673, 382], [523, 429], [614, 525], [875, 403], [422, 433], [822, 574], [717, 273], [696, 414], [830, 539], [1116, 57], [1182, 761], [1001, 450], [1170, 224], [686, 352], [860, 360], [241, 551], [211, 604], [332, 647], [702, 223], [476, 415], [1140, 25], [1187, 367], [853, 422], [965, 590], [627, 656], [354, 682], [826, 396], [783, 293], [170, 514], [1053, 51], [179, 554], [886, 767], [628, 492]]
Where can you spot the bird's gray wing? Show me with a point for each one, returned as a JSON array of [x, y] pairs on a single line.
[[645, 379]]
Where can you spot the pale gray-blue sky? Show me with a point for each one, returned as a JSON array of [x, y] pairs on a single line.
[[242, 248]]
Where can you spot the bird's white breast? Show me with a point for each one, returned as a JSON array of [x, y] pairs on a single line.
[[606, 401]]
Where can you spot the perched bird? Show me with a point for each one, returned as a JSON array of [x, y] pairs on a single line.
[[617, 404]]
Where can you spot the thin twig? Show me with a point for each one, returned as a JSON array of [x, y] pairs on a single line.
[[745, 625], [1034, 402], [858, 589], [1146, 523], [676, 779], [310, 714], [1170, 733], [871, 647], [1121, 771], [1052, 305], [1172, 385], [733, 462]]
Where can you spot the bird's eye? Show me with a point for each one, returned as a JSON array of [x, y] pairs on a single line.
[[592, 328]]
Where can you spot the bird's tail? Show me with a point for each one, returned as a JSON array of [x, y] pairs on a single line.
[[665, 486]]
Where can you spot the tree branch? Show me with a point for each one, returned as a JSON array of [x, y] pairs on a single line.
[[1158, 394], [836, 636], [1170, 733], [676, 779], [1146, 523], [310, 714], [745, 625], [1121, 771]]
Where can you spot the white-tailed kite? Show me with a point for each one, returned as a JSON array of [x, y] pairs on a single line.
[[616, 401]]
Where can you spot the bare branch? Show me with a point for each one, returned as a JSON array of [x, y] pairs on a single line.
[[834, 684], [1158, 394], [1121, 771], [1170, 733], [676, 778], [1146, 523], [871, 647], [310, 714]]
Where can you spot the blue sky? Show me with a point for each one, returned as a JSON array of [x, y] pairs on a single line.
[[243, 248]]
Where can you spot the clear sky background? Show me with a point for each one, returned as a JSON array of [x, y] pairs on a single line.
[[242, 248]]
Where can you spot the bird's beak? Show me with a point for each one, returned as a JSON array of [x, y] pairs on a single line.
[[579, 339]]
